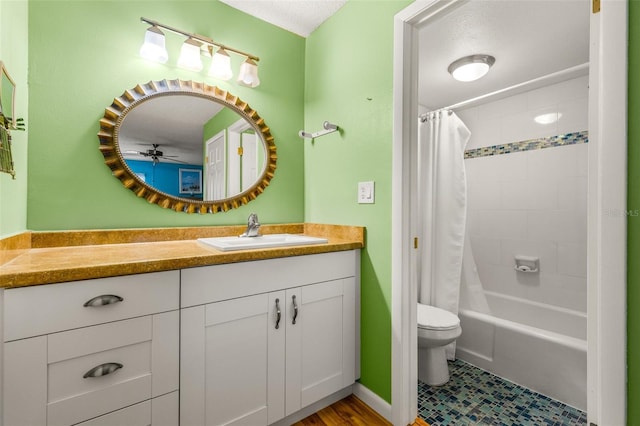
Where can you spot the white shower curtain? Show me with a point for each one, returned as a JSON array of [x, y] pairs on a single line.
[[471, 290], [442, 189]]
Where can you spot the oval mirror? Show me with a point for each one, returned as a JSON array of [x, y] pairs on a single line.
[[187, 146]]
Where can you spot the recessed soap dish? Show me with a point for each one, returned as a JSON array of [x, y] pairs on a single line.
[[527, 264]]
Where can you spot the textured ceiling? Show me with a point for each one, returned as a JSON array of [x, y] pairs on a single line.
[[178, 123], [529, 39], [298, 16]]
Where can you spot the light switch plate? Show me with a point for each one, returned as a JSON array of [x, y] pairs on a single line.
[[366, 192]]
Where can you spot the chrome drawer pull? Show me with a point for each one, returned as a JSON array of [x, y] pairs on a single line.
[[295, 309], [278, 314], [104, 299], [103, 370]]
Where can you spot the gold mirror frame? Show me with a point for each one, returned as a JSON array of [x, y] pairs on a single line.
[[7, 99], [110, 149]]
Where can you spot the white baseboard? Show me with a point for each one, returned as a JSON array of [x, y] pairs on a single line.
[[378, 404], [315, 407], [367, 396]]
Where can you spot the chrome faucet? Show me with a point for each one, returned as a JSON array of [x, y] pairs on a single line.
[[253, 226]]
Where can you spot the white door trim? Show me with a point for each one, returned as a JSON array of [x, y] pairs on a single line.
[[606, 212], [234, 161], [607, 250]]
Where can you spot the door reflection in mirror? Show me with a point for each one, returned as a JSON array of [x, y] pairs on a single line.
[[164, 134]]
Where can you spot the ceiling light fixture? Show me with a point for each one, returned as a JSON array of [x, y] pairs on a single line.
[[549, 118], [471, 68], [190, 54]]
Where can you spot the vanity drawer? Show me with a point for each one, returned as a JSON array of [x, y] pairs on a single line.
[[136, 415], [80, 384], [38, 310], [161, 411], [81, 374], [208, 284]]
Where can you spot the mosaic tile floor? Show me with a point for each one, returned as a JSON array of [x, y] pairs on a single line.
[[475, 397]]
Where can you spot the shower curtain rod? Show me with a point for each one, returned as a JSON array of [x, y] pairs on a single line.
[[556, 77], [425, 116]]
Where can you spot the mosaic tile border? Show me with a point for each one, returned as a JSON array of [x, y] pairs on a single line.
[[529, 145]]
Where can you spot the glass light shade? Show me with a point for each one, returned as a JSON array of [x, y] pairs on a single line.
[[249, 73], [153, 47], [190, 56], [549, 118], [221, 65], [471, 68]]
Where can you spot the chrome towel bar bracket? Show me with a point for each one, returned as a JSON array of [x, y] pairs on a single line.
[[328, 128]]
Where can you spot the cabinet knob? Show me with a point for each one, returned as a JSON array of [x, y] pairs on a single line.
[[278, 313], [103, 370], [295, 309], [102, 300]]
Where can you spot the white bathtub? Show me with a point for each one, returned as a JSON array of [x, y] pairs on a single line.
[[539, 346]]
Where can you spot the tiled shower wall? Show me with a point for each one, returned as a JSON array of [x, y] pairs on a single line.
[[533, 202]]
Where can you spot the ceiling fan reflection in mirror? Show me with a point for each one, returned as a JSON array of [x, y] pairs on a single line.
[[155, 154]]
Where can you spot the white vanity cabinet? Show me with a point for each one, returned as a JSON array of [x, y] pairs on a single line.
[[95, 352], [262, 340]]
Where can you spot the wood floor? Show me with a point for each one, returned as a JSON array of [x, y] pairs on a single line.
[[348, 411]]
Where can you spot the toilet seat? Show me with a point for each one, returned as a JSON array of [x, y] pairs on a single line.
[[432, 318]]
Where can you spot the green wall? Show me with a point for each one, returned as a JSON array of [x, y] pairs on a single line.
[[633, 223], [13, 52], [218, 122], [349, 60], [85, 53], [349, 82]]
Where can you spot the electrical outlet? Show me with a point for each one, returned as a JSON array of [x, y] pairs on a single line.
[[366, 192]]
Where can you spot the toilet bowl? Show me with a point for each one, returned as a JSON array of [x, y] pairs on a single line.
[[436, 329]]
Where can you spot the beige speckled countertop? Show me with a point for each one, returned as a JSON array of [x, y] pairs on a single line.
[[34, 258]]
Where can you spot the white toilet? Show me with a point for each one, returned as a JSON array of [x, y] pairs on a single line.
[[436, 329]]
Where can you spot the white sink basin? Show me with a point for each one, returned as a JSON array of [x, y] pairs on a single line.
[[263, 241]]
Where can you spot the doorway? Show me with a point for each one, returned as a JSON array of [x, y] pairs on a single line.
[[606, 188]]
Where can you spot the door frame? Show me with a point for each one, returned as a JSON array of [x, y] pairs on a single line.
[[607, 185], [235, 161]]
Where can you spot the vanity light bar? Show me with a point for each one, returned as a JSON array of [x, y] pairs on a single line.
[[202, 39], [154, 49]]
